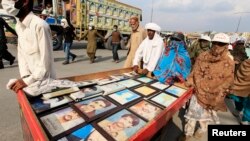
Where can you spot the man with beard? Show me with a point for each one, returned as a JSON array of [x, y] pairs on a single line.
[[149, 51], [138, 34], [201, 45], [212, 76]]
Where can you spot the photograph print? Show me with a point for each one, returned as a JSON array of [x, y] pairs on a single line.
[[146, 110], [86, 133], [145, 91], [95, 106], [129, 83], [159, 85], [124, 96], [61, 121], [164, 99], [145, 79], [177, 91], [39, 105], [122, 125]]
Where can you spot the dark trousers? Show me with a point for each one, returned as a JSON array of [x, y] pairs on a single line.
[[5, 54], [115, 47]]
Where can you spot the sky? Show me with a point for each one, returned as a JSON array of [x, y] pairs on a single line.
[[196, 15]]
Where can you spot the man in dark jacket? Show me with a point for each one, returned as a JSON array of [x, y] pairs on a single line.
[[4, 53]]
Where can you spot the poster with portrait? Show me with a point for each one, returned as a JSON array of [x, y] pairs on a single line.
[[163, 99], [159, 85], [94, 106], [125, 96], [86, 92], [106, 80], [86, 133], [145, 90], [131, 74], [39, 105], [60, 121], [145, 79], [146, 110], [122, 125], [176, 91], [129, 83]]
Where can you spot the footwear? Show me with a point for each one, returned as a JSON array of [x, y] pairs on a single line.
[[65, 62], [184, 138], [73, 58], [12, 60], [198, 134], [244, 123]]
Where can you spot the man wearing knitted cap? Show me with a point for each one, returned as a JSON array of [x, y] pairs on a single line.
[[149, 50], [212, 77]]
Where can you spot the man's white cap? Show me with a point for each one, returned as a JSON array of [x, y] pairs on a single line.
[[205, 37], [221, 37], [153, 26]]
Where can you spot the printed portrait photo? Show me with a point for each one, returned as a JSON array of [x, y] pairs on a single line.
[[164, 99], [145, 79], [129, 83], [124, 96], [146, 110], [86, 133], [95, 106], [177, 91], [61, 121], [122, 125], [159, 85], [145, 90], [40, 105]]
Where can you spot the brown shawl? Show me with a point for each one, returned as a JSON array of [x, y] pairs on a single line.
[[212, 77], [241, 85]]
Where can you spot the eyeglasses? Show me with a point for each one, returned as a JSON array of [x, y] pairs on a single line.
[[219, 43]]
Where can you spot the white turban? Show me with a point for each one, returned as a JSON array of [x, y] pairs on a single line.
[[153, 26]]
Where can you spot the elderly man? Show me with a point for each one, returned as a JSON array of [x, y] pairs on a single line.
[[149, 50], [137, 36], [211, 77]]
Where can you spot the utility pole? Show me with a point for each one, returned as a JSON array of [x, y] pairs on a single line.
[[152, 10], [238, 25]]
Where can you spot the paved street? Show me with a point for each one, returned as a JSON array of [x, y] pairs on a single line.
[[10, 127]]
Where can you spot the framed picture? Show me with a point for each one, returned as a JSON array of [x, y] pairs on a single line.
[[86, 92], [39, 105], [125, 96], [61, 121], [163, 99], [111, 88], [106, 80], [129, 83], [176, 91], [86, 133], [121, 125], [95, 106], [145, 79], [120, 76], [159, 85], [131, 74], [145, 90], [146, 110]]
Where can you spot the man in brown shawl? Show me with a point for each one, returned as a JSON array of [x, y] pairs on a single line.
[[241, 88], [211, 77], [92, 34]]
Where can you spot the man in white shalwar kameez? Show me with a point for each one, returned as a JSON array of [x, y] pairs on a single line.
[[149, 50]]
